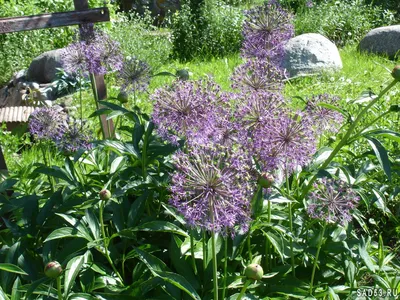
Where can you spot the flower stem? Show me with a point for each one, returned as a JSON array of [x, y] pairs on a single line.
[[267, 243], [249, 247], [345, 139], [290, 224], [59, 293], [316, 259], [192, 253], [225, 266], [105, 239], [215, 266], [244, 288]]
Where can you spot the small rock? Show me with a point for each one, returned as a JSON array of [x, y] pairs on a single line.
[[382, 40], [310, 53]]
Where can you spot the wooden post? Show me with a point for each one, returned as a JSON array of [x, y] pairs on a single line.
[[3, 166], [101, 87]]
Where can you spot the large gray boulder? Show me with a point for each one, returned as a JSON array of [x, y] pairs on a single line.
[[382, 40], [310, 53], [43, 68]]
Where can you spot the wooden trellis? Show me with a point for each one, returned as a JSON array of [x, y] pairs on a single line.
[[82, 16]]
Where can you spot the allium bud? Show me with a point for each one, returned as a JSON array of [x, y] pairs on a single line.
[[123, 97], [105, 195], [254, 271], [53, 269], [396, 72], [266, 180]]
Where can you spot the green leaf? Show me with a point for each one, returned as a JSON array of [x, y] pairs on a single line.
[[78, 225], [100, 111], [3, 295], [160, 226], [365, 256], [65, 232], [7, 184], [350, 271], [152, 262], [12, 268], [33, 286], [321, 155], [116, 164], [16, 294], [93, 223], [137, 208], [180, 282], [389, 134], [71, 271], [381, 155], [82, 296], [218, 246], [276, 242], [332, 294]]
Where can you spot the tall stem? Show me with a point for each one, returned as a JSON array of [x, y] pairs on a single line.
[[267, 243], [105, 239], [316, 258], [249, 247], [215, 266], [290, 224], [246, 285], [192, 253], [59, 293], [225, 266], [346, 137]]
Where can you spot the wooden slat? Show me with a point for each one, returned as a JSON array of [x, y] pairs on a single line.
[[54, 20]]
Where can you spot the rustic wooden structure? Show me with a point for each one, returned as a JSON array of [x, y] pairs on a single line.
[[82, 16]]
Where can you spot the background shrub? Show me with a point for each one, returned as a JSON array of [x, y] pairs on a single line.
[[342, 21], [214, 30], [139, 38]]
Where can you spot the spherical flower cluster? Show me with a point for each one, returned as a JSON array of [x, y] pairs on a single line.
[[257, 75], [134, 75], [332, 201], [96, 53], [186, 109], [325, 119], [211, 188], [48, 123], [265, 31], [285, 142], [75, 138]]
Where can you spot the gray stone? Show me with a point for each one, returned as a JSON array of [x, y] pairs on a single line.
[[310, 53], [43, 68], [382, 40]]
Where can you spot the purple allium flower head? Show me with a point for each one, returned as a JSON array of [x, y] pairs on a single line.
[[265, 31], [211, 188], [186, 108], [332, 201], [309, 4], [48, 123], [75, 138], [74, 58], [326, 119], [135, 75], [96, 53], [257, 75], [285, 141]]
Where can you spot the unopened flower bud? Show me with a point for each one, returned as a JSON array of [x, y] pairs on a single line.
[[254, 271], [105, 195], [123, 97], [396, 72], [266, 180], [53, 269]]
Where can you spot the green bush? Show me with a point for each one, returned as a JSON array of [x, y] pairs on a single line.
[[213, 31], [139, 38], [342, 21]]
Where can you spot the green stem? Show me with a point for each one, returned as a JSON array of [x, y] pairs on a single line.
[[144, 154], [290, 225], [80, 100], [45, 148], [204, 252], [249, 247], [225, 267], [267, 244], [316, 259], [244, 288], [345, 139], [192, 253], [96, 99], [105, 239], [59, 293], [215, 266]]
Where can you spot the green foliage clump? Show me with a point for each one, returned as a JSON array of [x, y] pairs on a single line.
[[342, 21], [207, 29], [138, 37]]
